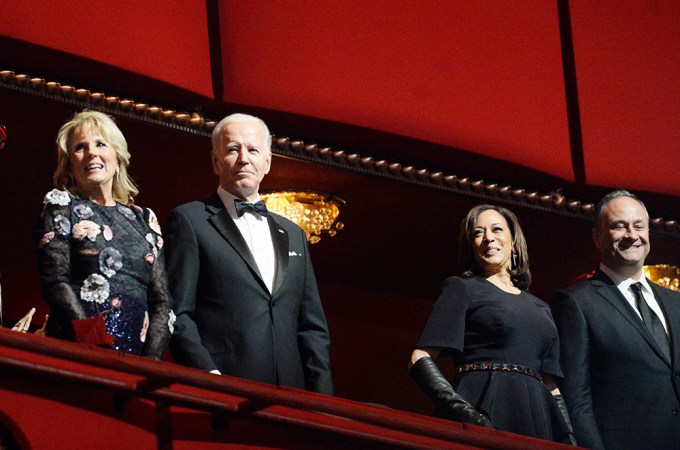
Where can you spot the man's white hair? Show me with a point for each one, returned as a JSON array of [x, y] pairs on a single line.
[[240, 118]]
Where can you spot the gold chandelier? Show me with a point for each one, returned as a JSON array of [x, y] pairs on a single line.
[[664, 275], [315, 212]]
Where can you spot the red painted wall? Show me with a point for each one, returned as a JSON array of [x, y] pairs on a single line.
[[482, 76], [627, 63], [479, 76]]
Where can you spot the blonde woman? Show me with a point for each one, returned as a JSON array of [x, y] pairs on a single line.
[[100, 256]]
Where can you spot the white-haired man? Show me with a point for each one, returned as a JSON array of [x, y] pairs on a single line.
[[241, 277]]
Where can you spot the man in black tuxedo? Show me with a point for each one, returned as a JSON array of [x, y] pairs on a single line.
[[620, 340], [241, 277]]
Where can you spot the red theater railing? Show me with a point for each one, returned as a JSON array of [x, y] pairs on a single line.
[[57, 394]]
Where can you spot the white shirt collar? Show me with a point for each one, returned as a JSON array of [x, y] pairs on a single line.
[[623, 282]]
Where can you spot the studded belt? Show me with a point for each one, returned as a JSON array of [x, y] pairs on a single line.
[[477, 367]]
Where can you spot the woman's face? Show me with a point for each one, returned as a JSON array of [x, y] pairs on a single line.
[[93, 161], [492, 242]]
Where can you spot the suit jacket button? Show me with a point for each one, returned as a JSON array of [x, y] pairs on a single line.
[[675, 412], [675, 376]]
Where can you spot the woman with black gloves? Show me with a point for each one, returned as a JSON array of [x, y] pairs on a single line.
[[503, 340]]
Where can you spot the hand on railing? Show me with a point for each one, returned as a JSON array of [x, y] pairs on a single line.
[[25, 323], [41, 331]]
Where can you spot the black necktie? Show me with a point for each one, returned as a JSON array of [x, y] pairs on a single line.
[[258, 207], [651, 320]]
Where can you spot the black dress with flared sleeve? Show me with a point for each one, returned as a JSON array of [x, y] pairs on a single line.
[[475, 322]]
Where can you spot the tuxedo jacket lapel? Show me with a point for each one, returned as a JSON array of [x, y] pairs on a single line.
[[225, 226], [281, 245], [607, 290]]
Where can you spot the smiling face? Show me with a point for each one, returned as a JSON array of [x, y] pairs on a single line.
[[242, 159], [492, 243], [622, 236], [94, 163]]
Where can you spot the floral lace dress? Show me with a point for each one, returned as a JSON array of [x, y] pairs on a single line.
[[104, 261]]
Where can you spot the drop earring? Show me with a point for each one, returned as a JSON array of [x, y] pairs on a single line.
[[514, 259]]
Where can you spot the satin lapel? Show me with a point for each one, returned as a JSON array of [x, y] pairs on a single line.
[[225, 226], [281, 244], [671, 310], [606, 288]]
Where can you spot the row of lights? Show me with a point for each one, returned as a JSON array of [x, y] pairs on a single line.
[[315, 212], [184, 119], [553, 200]]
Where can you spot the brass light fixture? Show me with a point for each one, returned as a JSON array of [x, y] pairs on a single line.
[[315, 212], [664, 275]]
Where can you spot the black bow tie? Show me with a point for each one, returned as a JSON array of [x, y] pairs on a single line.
[[257, 207]]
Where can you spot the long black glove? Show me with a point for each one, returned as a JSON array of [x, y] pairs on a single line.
[[569, 431], [428, 377]]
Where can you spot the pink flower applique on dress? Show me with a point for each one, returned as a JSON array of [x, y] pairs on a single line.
[[46, 239], [108, 233], [86, 229]]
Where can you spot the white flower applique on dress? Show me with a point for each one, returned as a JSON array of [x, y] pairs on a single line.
[[57, 197], [95, 289], [171, 321]]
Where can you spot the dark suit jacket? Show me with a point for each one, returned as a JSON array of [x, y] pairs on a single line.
[[622, 393], [226, 317]]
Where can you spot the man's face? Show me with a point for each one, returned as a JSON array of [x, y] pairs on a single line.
[[242, 160], [623, 235]]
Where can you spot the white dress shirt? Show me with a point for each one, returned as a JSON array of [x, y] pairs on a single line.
[[255, 231], [624, 283]]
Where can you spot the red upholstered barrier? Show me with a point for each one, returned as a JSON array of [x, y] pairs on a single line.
[[58, 394]]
